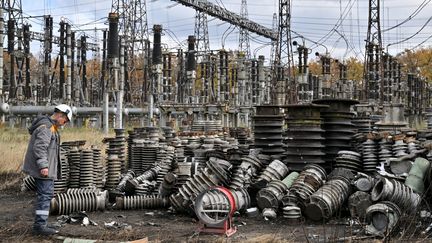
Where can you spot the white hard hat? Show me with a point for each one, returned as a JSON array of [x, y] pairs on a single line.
[[65, 109]]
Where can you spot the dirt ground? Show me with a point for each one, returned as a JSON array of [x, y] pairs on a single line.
[[160, 225]]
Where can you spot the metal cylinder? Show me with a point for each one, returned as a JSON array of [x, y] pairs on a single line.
[[157, 50], [141, 202], [358, 203]]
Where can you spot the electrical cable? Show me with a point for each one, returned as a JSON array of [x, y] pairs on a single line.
[[408, 38], [417, 11]]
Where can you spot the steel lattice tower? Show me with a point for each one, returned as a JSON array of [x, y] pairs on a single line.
[[284, 85], [373, 67], [244, 44], [201, 33], [134, 28]]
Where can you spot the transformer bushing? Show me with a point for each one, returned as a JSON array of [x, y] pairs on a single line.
[[358, 203], [62, 183], [385, 150], [268, 124], [396, 192], [66, 203], [382, 218], [119, 143], [349, 160], [270, 196], [245, 174], [141, 202], [309, 181], [363, 182], [132, 184], [328, 199], [393, 118], [305, 141], [216, 173], [337, 125], [276, 170], [122, 184]]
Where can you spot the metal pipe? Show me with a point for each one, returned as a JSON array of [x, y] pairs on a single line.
[[119, 115], [68, 63]]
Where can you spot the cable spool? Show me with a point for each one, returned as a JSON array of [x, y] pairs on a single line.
[[214, 209]]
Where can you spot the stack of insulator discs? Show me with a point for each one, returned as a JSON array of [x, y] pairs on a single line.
[[119, 142], [337, 123], [135, 156], [385, 150], [98, 168], [268, 124], [369, 155], [399, 148], [305, 140], [61, 184], [349, 160], [86, 168], [153, 134], [148, 155], [74, 165], [113, 172]]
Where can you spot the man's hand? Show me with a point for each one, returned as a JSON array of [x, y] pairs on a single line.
[[44, 172]]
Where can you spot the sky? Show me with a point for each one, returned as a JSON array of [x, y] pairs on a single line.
[[338, 26]]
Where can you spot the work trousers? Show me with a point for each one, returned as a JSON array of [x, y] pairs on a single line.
[[45, 192]]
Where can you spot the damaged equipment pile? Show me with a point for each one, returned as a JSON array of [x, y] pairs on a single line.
[[302, 161]]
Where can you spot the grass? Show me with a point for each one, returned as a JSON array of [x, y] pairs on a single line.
[[14, 142]]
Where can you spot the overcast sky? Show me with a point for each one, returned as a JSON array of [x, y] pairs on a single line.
[[312, 19]]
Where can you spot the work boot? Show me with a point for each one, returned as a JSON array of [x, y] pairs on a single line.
[[44, 230]]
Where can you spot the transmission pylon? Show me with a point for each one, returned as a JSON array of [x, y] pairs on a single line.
[[134, 29], [244, 44], [373, 68], [284, 85], [273, 42], [201, 33]]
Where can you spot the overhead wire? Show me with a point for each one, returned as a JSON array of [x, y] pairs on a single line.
[[417, 11]]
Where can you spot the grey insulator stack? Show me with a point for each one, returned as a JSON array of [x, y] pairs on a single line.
[[349, 160], [86, 168], [246, 173], [98, 168], [113, 172], [382, 218], [148, 155], [119, 144], [362, 120], [385, 150], [214, 200], [66, 203], [276, 170], [399, 148], [145, 187], [28, 184], [338, 126], [153, 134], [168, 185], [396, 192], [135, 156], [370, 155], [308, 182], [304, 136], [393, 118], [179, 154], [165, 168], [62, 183], [74, 165], [122, 184], [141, 202], [143, 180], [216, 173], [169, 134], [429, 117], [268, 124], [184, 172], [269, 197], [328, 199]]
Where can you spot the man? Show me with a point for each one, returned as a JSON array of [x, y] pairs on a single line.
[[42, 161]]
